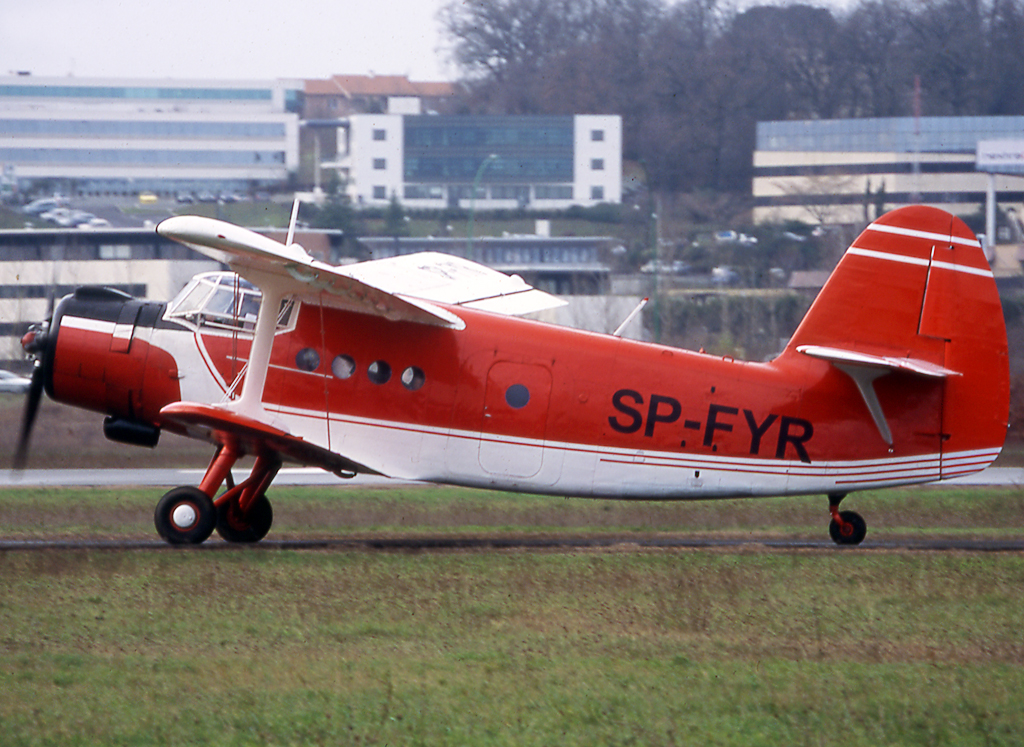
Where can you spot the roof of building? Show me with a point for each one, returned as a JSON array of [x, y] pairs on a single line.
[[808, 279], [351, 86]]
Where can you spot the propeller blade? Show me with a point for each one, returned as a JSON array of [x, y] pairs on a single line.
[[28, 417]]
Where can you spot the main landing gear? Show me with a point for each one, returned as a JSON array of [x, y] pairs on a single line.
[[846, 527], [188, 516]]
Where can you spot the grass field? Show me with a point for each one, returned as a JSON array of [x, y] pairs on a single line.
[[614, 647], [332, 511]]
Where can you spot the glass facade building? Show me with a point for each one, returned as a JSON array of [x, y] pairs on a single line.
[[487, 162], [93, 136], [896, 135], [845, 170], [134, 92]]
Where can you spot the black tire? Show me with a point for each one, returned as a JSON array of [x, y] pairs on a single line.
[[185, 516], [856, 529], [233, 526]]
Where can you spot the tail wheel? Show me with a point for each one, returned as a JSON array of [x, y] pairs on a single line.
[[252, 526], [185, 516], [849, 530]]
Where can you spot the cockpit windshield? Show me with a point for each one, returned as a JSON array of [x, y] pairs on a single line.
[[221, 300]]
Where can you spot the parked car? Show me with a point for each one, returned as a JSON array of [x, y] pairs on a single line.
[[724, 276], [37, 207], [675, 267], [66, 217], [95, 223], [12, 383], [58, 215]]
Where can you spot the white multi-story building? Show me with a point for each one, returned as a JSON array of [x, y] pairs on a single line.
[[434, 161], [123, 136]]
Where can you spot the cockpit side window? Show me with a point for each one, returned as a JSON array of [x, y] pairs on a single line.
[[222, 301]]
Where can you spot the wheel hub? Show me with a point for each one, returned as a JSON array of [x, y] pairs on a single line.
[[184, 516]]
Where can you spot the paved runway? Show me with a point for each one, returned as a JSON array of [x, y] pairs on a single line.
[[993, 477]]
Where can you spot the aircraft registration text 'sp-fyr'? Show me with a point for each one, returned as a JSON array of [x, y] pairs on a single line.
[[420, 367]]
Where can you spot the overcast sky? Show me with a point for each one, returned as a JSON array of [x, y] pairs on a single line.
[[223, 38], [229, 38]]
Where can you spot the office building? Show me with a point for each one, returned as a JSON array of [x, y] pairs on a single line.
[[481, 162], [125, 136], [847, 170]]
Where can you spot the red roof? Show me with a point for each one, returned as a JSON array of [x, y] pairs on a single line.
[[351, 86]]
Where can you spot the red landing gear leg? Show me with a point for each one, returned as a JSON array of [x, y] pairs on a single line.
[[219, 469], [243, 512], [846, 527]]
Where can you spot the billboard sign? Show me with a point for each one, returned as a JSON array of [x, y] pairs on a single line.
[[1001, 156]]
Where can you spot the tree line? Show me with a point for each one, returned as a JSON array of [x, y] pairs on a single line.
[[692, 78]]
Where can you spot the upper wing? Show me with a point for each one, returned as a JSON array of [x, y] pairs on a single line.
[[404, 288], [448, 279]]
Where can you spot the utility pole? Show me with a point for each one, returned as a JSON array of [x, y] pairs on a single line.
[[472, 201]]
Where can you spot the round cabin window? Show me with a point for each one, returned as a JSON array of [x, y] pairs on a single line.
[[413, 378], [517, 396], [379, 372], [343, 366], [307, 359]]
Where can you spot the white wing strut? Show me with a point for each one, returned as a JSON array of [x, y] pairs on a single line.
[[250, 403]]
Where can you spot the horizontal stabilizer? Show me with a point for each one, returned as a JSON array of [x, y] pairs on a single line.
[[840, 356]]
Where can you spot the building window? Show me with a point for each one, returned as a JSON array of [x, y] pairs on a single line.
[[115, 251], [424, 192], [380, 164], [380, 193], [597, 135], [597, 193], [380, 134], [553, 192], [597, 164]]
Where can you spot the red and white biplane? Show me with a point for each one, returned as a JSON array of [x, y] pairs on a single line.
[[419, 367]]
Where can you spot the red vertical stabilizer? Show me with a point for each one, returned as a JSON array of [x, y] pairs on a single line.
[[913, 299]]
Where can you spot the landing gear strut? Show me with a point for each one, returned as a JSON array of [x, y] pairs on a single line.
[[188, 515], [243, 511], [846, 527]]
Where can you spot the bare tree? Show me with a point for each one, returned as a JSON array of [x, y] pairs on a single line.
[[879, 45], [692, 78]]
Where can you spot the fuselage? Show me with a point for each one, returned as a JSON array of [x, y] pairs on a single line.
[[515, 404]]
